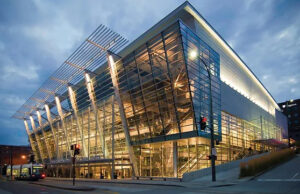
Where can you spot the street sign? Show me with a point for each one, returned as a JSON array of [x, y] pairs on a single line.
[[214, 152]]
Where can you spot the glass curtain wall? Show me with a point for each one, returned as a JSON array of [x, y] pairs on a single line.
[[160, 88], [35, 147], [238, 136], [92, 137], [49, 140], [201, 60], [153, 84], [165, 88]]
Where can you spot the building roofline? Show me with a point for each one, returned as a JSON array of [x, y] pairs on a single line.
[[192, 10], [16, 146], [173, 16]]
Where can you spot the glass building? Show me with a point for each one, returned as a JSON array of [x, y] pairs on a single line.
[[135, 110]]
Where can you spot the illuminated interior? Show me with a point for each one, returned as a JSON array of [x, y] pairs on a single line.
[[140, 112]]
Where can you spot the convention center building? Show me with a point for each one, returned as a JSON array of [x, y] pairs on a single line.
[[136, 109]]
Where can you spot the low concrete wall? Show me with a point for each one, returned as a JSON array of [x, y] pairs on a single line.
[[219, 169]]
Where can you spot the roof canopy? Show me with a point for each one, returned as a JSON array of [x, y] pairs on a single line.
[[89, 56]]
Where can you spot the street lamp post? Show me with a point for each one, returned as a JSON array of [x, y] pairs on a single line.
[[113, 138], [211, 126], [287, 110], [288, 113], [11, 161]]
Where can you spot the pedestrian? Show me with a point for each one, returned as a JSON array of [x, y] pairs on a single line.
[[250, 151]]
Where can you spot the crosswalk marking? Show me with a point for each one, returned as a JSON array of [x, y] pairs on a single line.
[[295, 175], [278, 180]]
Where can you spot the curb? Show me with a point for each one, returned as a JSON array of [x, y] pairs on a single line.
[[65, 188], [140, 183], [123, 182], [224, 185]]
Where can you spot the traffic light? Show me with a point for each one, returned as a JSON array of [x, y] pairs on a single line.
[[203, 123], [77, 149], [31, 159]]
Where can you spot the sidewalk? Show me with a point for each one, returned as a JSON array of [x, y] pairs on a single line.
[[64, 186], [119, 181], [92, 184]]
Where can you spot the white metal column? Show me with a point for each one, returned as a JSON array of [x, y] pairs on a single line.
[[175, 158], [30, 139], [62, 118], [44, 135], [38, 141], [113, 74], [113, 137], [75, 109], [90, 88], [52, 129]]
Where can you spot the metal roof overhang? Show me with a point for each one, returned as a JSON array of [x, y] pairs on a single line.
[[88, 57]]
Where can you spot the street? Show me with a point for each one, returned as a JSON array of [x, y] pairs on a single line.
[[25, 187], [285, 178], [282, 179]]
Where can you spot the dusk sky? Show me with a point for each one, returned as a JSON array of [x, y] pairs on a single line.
[[37, 36]]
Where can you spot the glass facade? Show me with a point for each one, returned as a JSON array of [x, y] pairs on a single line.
[[164, 88], [200, 59]]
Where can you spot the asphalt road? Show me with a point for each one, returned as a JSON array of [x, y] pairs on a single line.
[[285, 178], [282, 179], [27, 187], [24, 187]]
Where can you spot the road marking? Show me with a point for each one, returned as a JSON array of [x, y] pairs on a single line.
[[278, 180], [295, 175]]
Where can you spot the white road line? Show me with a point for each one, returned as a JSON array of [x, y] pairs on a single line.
[[278, 180], [295, 175]]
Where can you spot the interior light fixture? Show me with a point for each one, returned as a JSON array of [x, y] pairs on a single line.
[[87, 77], [193, 54]]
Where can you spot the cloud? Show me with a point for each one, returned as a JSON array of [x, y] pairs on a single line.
[[51, 38], [37, 36], [265, 76], [293, 80], [268, 41], [12, 100], [2, 47], [9, 71]]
